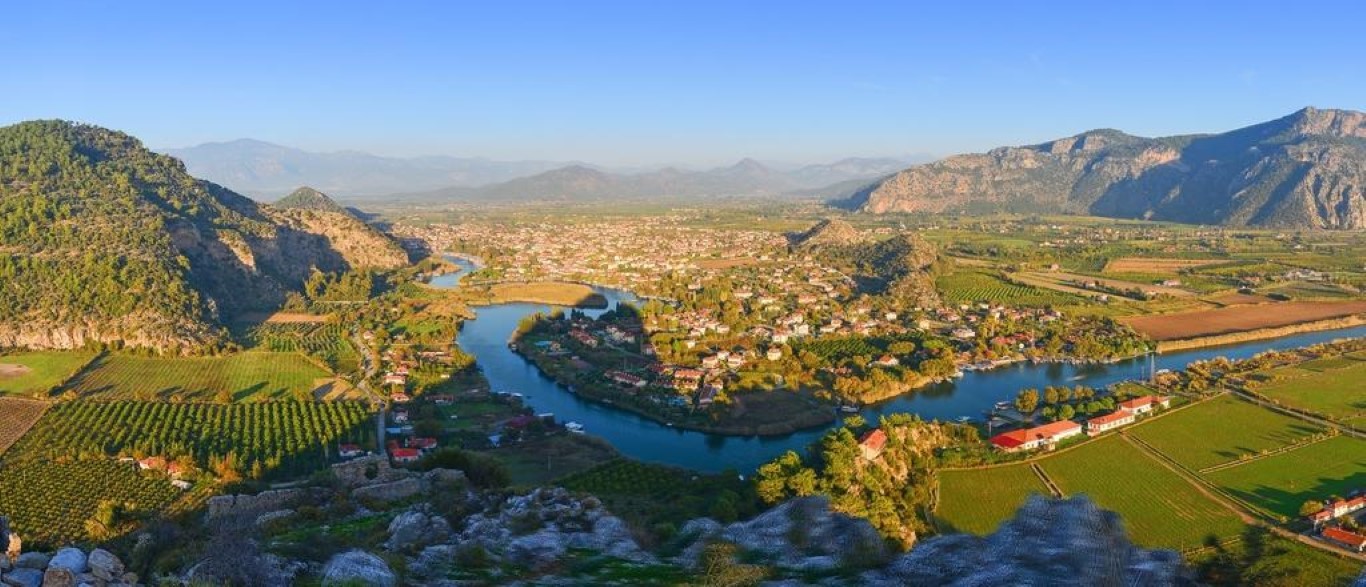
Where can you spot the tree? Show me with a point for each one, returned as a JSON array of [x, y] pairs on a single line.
[[1027, 401], [1310, 507], [1066, 412]]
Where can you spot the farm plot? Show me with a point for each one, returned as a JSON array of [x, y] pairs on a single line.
[[295, 436], [967, 286], [49, 503], [1336, 393], [978, 500], [16, 417], [38, 373], [327, 342], [1221, 430], [244, 376], [1234, 319], [1281, 484], [1155, 265], [1160, 509]]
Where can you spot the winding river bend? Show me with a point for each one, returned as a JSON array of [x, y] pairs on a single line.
[[486, 339]]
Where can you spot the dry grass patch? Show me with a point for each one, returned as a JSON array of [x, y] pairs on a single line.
[[1155, 265], [1239, 319]]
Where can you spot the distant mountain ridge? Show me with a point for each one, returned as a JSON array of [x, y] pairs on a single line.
[[262, 169], [1305, 170], [745, 178]]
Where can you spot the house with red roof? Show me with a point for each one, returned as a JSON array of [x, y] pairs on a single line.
[[1351, 540], [422, 443], [1038, 436], [1337, 509], [1100, 424], [406, 455], [1145, 404], [348, 451], [872, 443]]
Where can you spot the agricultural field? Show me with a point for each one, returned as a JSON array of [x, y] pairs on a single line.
[[1155, 264], [978, 500], [1338, 393], [50, 502], [1234, 319], [296, 437], [248, 376], [1281, 484], [327, 342], [1219, 431], [650, 496], [16, 417], [38, 373], [1159, 507], [969, 286]]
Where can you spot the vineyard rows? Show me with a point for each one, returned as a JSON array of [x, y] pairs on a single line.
[[16, 417], [327, 342], [295, 436]]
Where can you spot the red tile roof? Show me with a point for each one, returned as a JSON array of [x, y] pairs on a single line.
[[1349, 538], [405, 453], [874, 440], [1015, 438], [1109, 418]]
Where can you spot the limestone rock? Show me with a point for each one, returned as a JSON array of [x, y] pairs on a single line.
[[1048, 542], [59, 577], [358, 567], [32, 560], [416, 529], [104, 565], [23, 577], [71, 559], [801, 534]]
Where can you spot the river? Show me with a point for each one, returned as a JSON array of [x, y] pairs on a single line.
[[486, 338]]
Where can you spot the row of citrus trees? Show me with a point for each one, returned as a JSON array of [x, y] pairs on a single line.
[[289, 437]]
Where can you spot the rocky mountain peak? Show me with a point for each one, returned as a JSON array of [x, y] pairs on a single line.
[[307, 198]]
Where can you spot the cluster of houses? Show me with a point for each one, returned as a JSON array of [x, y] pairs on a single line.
[[1049, 435], [1334, 510]]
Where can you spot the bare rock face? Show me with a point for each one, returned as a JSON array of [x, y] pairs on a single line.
[[357, 567], [537, 529], [415, 529], [802, 534], [1048, 542], [1306, 170]]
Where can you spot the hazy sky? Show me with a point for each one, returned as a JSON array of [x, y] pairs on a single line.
[[687, 82]]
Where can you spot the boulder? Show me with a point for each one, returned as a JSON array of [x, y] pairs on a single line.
[[104, 565], [1048, 542], [23, 578], [358, 567], [538, 549], [71, 559], [59, 577], [801, 534], [32, 560], [416, 529]]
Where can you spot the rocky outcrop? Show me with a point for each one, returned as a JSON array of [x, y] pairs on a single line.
[[417, 528], [68, 567], [1306, 170], [357, 567], [1048, 542], [803, 534], [537, 529], [826, 233]]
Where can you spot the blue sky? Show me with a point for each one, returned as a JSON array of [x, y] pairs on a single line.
[[681, 82]]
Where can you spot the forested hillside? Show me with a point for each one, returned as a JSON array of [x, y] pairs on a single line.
[[103, 241]]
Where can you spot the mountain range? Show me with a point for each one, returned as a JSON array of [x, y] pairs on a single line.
[[265, 170], [1306, 170], [745, 178], [105, 242]]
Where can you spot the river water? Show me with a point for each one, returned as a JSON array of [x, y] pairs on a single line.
[[486, 338]]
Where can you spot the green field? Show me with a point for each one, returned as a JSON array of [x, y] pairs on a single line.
[[1220, 430], [244, 376], [48, 503], [968, 285], [1160, 509], [978, 500], [1336, 393], [1282, 483], [327, 342], [38, 373]]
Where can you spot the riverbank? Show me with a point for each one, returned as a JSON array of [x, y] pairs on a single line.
[[551, 293], [1260, 334], [757, 414]]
